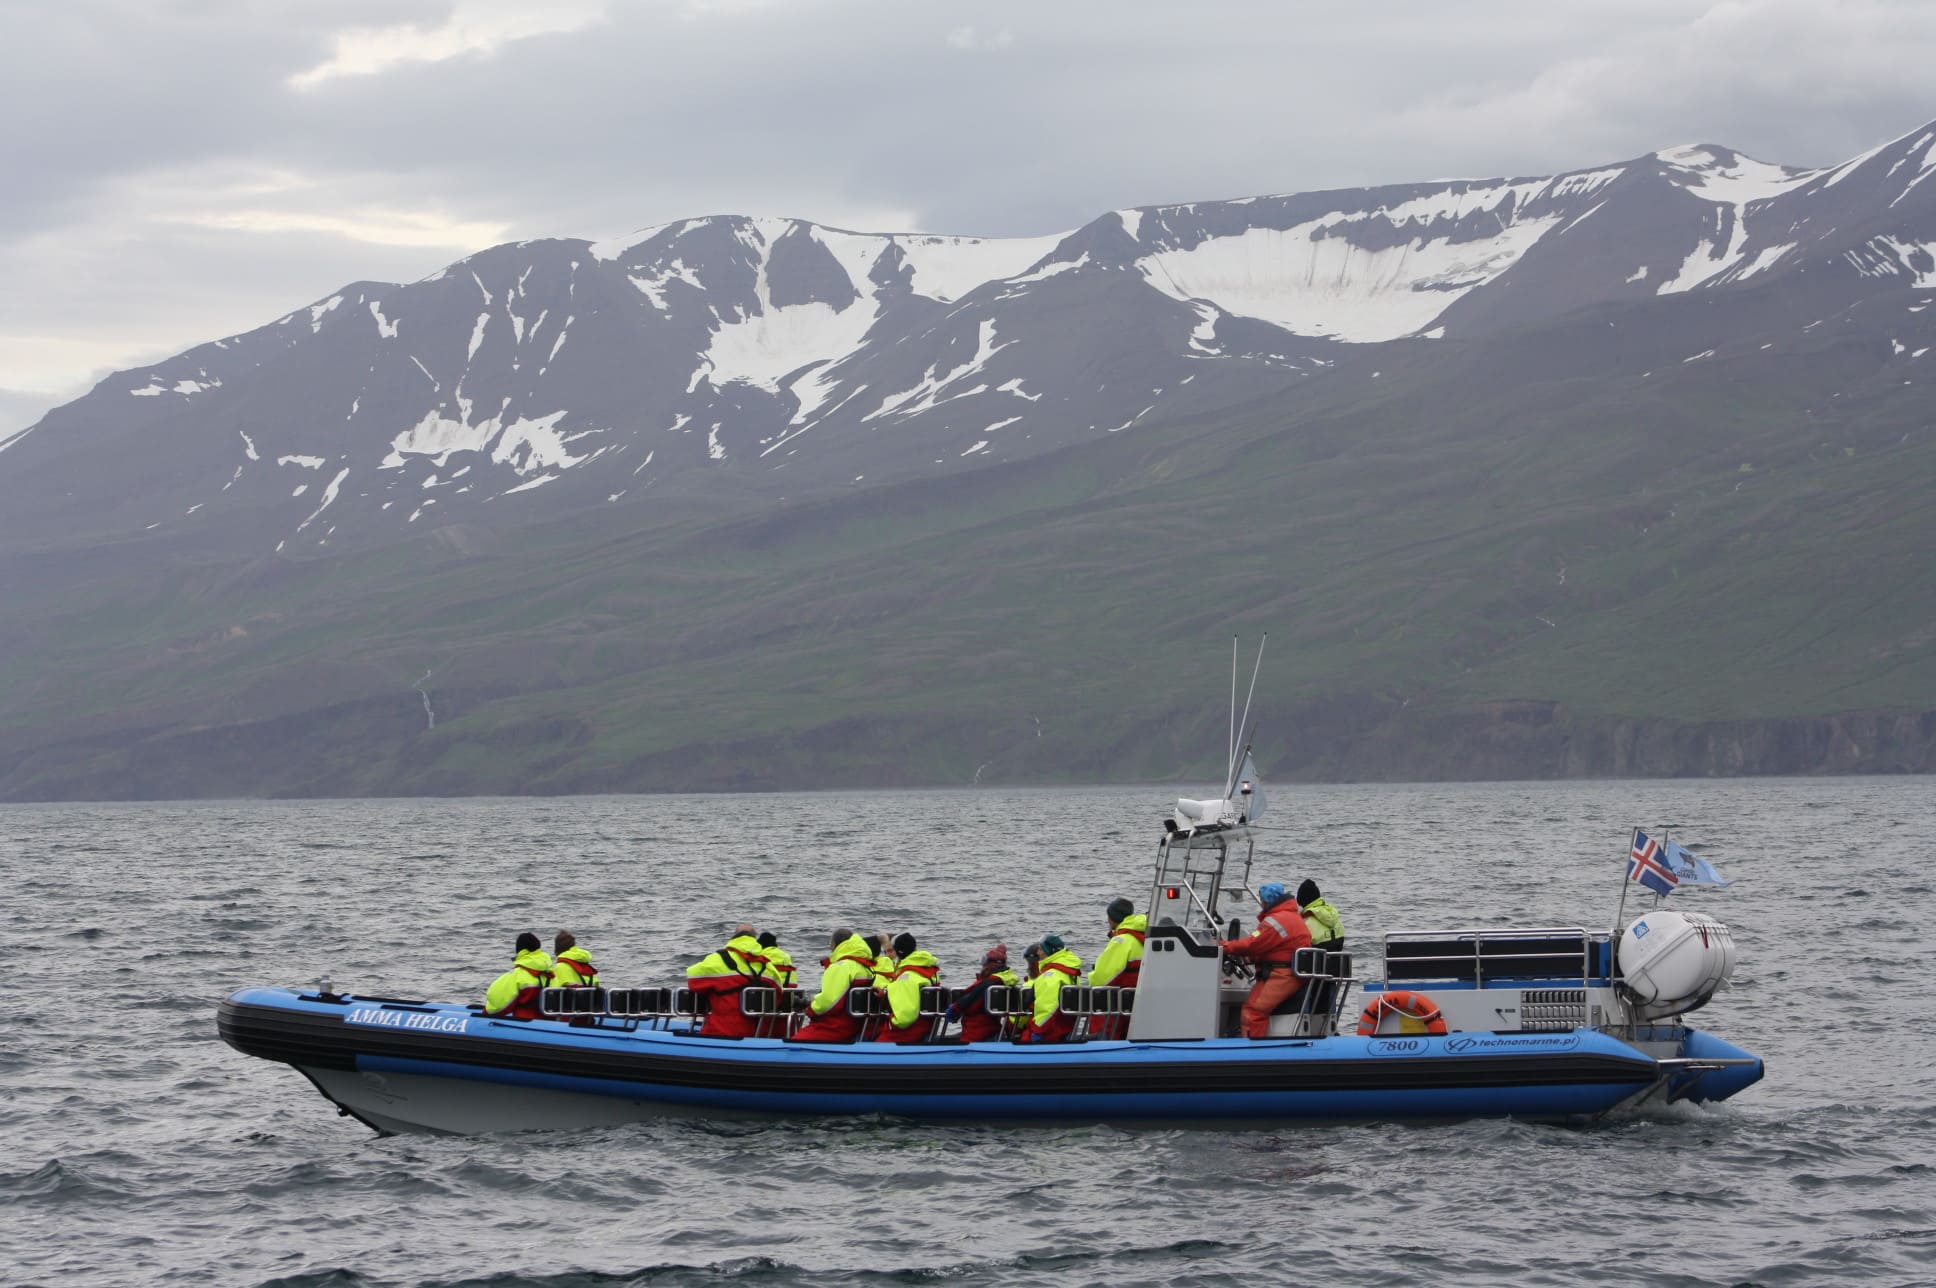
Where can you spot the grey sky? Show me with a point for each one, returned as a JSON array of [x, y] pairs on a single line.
[[180, 170]]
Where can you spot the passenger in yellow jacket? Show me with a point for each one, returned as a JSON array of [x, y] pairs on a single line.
[[851, 966], [915, 969], [780, 969], [779, 962], [514, 994], [1320, 918], [1121, 963], [881, 948], [722, 976], [573, 967], [1058, 968]]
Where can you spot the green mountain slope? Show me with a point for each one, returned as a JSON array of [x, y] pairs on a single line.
[[1581, 551]]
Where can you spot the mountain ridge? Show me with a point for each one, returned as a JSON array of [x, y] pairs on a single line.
[[1678, 391]]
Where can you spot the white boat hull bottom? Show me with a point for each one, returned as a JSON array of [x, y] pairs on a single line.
[[408, 1103]]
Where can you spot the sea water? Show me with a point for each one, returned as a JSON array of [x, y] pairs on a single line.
[[135, 1147]]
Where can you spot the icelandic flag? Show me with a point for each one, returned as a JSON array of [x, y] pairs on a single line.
[[1646, 865], [1690, 869]]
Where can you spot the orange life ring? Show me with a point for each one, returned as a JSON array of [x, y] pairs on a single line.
[[1409, 1006]]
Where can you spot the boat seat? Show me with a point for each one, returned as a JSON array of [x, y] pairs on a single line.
[[638, 1003], [763, 1002], [1326, 973], [1010, 1000], [1094, 1000], [572, 1001], [1466, 957], [867, 1003]]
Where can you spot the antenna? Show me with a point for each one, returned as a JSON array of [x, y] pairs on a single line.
[[1230, 746], [1230, 778]]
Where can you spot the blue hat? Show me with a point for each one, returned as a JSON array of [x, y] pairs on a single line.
[[1270, 892], [1052, 943]]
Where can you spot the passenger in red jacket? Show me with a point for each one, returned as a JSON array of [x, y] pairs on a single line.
[[1280, 933], [977, 1025]]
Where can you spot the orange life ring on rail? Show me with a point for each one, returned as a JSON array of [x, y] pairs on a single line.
[[1407, 1006]]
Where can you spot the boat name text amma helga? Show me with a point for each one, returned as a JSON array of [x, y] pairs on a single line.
[[407, 1020]]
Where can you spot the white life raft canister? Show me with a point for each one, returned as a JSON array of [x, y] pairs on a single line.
[[1672, 962]]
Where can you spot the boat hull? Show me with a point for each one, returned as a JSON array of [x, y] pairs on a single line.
[[426, 1067]]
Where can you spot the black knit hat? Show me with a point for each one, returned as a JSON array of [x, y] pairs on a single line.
[[1307, 891], [903, 944], [1118, 909], [529, 943]]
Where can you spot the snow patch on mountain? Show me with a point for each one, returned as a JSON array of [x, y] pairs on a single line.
[[1725, 177], [384, 326], [764, 347], [525, 444], [1054, 268], [528, 445], [157, 385], [1888, 256], [653, 287], [1312, 281], [329, 497], [316, 312], [1734, 184], [437, 436], [937, 386]]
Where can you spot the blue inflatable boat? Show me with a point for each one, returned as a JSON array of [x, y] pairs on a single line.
[[1546, 1023]]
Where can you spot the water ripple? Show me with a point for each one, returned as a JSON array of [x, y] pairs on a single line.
[[141, 1149]]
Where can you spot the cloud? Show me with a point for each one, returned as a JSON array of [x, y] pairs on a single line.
[[480, 27], [197, 169], [20, 408], [378, 227], [974, 40]]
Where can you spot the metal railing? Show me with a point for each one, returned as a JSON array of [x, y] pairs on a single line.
[[1509, 953], [784, 1010]]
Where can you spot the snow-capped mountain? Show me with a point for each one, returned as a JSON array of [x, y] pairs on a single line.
[[781, 355]]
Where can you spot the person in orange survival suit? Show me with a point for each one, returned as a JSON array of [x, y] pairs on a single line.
[[722, 975], [1280, 933]]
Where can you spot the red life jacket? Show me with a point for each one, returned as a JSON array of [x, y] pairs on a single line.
[[977, 1025], [1128, 976], [922, 1026], [525, 1005], [584, 973], [838, 1025]]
